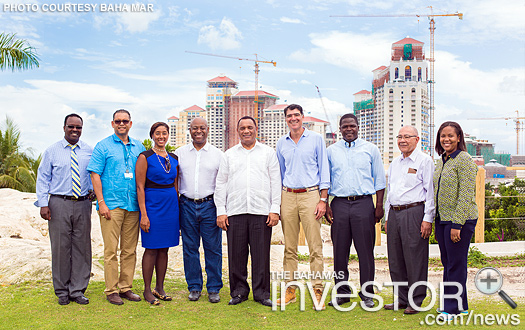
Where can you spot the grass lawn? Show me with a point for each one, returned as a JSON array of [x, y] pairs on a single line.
[[34, 306]]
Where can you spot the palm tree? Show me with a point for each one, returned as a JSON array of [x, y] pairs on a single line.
[[16, 54], [17, 168]]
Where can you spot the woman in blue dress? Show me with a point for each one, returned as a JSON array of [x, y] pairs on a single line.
[[156, 174]]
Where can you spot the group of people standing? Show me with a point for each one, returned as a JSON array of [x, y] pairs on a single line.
[[246, 191]]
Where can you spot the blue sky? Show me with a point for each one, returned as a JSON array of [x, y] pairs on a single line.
[[93, 63]]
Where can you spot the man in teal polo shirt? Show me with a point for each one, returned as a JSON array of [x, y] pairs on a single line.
[[112, 168]]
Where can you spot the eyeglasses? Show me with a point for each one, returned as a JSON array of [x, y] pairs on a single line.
[[118, 121], [406, 137], [73, 126]]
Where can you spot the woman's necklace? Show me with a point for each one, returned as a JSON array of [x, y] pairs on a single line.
[[166, 168]]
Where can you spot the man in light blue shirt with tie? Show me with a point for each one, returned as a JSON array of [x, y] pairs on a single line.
[[62, 190], [356, 173]]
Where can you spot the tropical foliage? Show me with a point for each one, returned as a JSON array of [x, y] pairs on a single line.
[[505, 215], [18, 168], [148, 144], [16, 54]]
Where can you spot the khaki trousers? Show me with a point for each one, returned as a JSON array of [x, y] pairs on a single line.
[[123, 227], [297, 208]]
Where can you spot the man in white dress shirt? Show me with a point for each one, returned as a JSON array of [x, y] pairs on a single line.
[[198, 164], [248, 199], [409, 213]]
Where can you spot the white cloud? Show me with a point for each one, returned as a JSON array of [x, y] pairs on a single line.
[[291, 20], [80, 92], [226, 36], [127, 21], [137, 21], [350, 50]]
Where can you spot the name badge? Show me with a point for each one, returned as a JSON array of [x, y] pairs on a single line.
[[128, 176]]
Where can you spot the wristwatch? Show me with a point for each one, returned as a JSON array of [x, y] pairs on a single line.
[[324, 200]]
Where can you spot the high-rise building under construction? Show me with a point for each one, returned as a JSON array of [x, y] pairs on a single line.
[[399, 97], [218, 96]]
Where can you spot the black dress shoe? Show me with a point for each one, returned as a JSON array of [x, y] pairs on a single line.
[[390, 307], [339, 301], [63, 300], [214, 297], [194, 295], [237, 300], [368, 302], [82, 300], [265, 302]]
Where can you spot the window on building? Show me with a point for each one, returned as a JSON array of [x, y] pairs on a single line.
[[408, 73], [396, 73], [419, 74]]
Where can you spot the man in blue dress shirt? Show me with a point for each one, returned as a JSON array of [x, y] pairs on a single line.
[[356, 173], [112, 168], [62, 190], [305, 178]]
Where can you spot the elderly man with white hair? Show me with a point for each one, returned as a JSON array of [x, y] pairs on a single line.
[[409, 213]]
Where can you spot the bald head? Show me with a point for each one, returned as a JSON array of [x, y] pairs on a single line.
[[407, 140], [199, 132], [410, 130], [199, 121]]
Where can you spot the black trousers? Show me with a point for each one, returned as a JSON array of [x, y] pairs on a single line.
[[354, 221], [249, 233], [407, 251]]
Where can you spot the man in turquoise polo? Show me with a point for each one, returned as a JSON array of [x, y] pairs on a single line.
[[112, 168]]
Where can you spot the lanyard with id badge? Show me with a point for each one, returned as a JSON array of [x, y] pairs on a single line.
[[127, 154]]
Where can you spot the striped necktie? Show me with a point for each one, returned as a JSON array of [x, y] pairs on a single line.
[[75, 172]]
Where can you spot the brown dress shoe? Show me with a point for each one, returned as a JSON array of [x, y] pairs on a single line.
[[114, 299], [410, 310], [390, 307], [129, 295]]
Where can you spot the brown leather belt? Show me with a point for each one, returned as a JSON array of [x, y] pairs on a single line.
[[300, 190], [353, 198], [407, 206]]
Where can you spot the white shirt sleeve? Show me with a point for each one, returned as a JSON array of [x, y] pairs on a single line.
[[221, 186]]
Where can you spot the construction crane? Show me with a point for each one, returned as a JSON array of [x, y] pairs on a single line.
[[519, 126], [431, 59], [256, 90], [325, 112]]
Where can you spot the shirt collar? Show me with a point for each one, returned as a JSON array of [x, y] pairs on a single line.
[[257, 144], [117, 139], [65, 143], [452, 155], [205, 148], [351, 144], [306, 132], [413, 155]]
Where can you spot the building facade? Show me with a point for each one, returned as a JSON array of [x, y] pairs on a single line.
[[172, 123], [399, 97], [218, 96]]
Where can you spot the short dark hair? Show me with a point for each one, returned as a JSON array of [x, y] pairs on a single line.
[[72, 115], [349, 115], [246, 117], [459, 132], [122, 111], [294, 107], [157, 125]]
